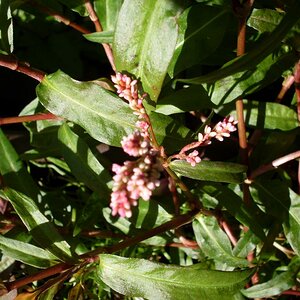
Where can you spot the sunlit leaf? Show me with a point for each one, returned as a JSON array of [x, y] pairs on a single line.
[[214, 243], [142, 278], [39, 226], [26, 253], [276, 285], [147, 52], [103, 115], [210, 171]]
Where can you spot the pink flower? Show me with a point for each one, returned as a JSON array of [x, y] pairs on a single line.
[[134, 180], [126, 87], [193, 158], [135, 144]]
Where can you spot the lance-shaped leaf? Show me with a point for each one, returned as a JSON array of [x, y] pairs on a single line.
[[39, 226], [108, 12], [215, 243], [251, 80], [13, 171], [277, 284], [103, 115], [6, 27], [210, 171], [26, 253], [255, 56], [200, 24], [142, 278], [292, 225], [265, 115], [145, 39], [81, 160], [249, 216], [100, 37]]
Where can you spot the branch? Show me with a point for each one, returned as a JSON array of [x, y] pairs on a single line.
[[59, 17], [10, 62], [92, 256], [30, 118], [272, 165], [94, 18]]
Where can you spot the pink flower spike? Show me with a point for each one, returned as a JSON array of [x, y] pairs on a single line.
[[193, 158]]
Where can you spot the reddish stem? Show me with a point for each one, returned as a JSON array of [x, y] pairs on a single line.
[[10, 62], [60, 18], [30, 118], [94, 18]]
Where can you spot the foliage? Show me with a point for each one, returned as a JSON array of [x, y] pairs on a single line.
[[134, 182]]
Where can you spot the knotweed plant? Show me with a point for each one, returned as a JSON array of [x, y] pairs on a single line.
[[138, 179]]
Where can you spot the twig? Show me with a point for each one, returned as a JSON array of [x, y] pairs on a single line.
[[10, 62], [272, 165], [94, 18], [93, 255], [297, 87], [229, 233], [173, 224], [30, 118], [59, 17], [286, 84], [38, 276]]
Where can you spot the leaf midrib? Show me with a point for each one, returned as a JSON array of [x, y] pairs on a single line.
[[174, 283], [113, 120]]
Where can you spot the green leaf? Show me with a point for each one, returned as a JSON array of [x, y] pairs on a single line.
[[245, 244], [214, 243], [187, 99], [276, 285], [265, 115], [291, 226], [81, 160], [142, 278], [274, 198], [13, 171], [26, 253], [89, 214], [108, 12], [169, 133], [103, 115], [39, 226], [198, 25], [43, 133], [264, 20], [259, 52], [255, 78], [6, 27], [248, 216], [100, 37], [210, 171], [76, 5], [147, 52]]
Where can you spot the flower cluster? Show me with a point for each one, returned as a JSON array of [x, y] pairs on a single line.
[[220, 131], [134, 179]]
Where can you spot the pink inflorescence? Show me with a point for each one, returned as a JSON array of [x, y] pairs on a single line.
[[220, 131], [135, 179]]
